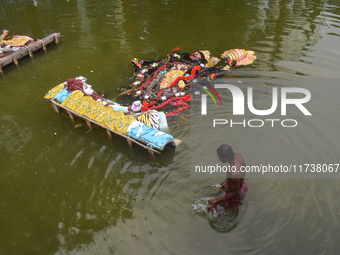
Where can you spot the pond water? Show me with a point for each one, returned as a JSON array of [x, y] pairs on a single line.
[[67, 190]]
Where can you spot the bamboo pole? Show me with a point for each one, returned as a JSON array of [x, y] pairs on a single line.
[[152, 155], [88, 123], [55, 108], [30, 53], [71, 116], [129, 143], [108, 133]]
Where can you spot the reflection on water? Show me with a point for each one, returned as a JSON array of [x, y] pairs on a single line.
[[12, 136], [86, 38], [68, 190]]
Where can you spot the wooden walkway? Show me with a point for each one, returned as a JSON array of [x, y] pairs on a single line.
[[88, 121], [28, 50]]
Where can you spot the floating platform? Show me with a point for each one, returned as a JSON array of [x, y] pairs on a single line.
[[28, 50], [77, 104]]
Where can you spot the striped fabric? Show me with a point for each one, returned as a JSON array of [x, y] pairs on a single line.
[[241, 56]]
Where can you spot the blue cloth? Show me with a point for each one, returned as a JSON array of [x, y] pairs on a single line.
[[62, 95], [150, 136], [119, 107]]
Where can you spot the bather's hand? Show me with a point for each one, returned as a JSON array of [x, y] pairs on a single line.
[[213, 204], [224, 184]]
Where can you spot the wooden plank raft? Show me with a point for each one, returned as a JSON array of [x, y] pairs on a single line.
[[28, 50], [88, 121]]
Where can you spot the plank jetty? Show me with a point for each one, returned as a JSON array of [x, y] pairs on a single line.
[[96, 110], [28, 50]]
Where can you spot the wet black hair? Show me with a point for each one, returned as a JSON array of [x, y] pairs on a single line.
[[225, 151]]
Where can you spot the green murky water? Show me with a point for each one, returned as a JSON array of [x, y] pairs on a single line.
[[67, 190]]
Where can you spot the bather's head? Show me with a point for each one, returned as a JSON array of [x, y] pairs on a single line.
[[225, 153]]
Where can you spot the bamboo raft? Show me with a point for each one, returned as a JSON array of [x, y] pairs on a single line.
[[28, 50], [152, 151]]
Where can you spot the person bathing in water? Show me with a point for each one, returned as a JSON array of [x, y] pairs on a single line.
[[235, 187]]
